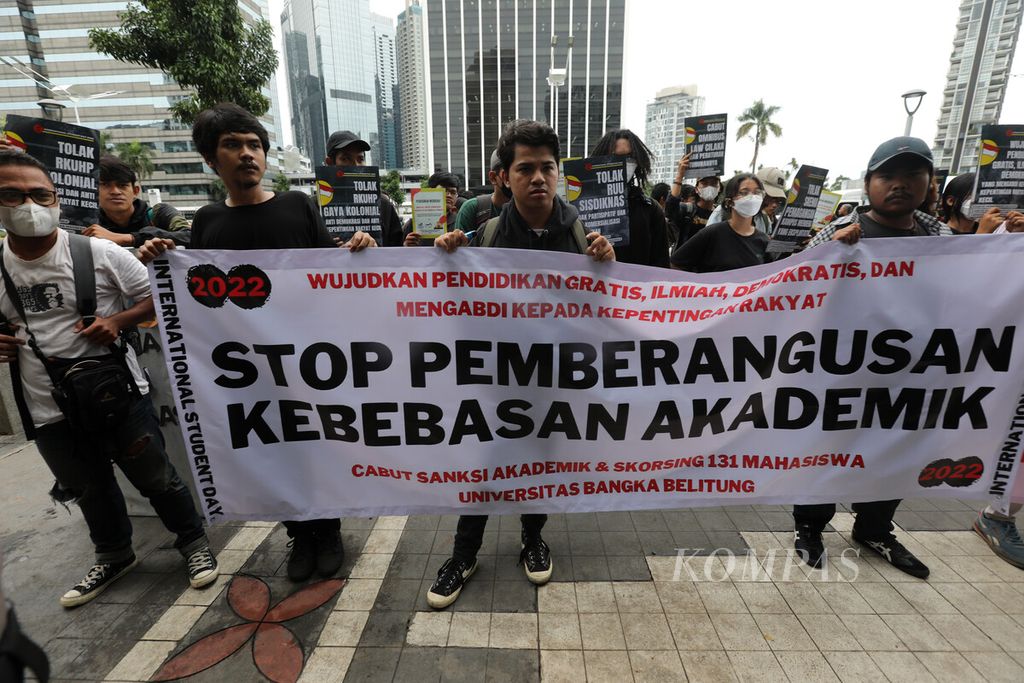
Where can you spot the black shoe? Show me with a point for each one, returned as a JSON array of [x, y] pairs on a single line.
[[895, 554], [536, 559], [329, 553], [96, 581], [202, 568], [451, 577], [809, 547], [302, 560]]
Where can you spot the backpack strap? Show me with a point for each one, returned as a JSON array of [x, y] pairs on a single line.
[[483, 209], [85, 274], [490, 233], [580, 233]]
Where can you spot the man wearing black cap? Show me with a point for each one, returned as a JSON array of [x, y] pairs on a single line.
[[345, 148], [896, 183]]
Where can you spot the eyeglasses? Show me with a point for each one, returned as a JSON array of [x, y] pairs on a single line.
[[11, 197]]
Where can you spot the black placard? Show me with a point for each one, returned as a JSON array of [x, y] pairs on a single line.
[[72, 154], [801, 206], [705, 143], [596, 186], [1000, 178], [349, 199]]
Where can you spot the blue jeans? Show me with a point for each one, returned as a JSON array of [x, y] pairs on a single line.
[[83, 467]]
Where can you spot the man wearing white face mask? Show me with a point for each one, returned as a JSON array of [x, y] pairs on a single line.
[[648, 234], [47, 329]]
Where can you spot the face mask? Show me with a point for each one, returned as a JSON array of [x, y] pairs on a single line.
[[30, 219], [747, 206], [965, 208], [630, 169], [708, 193]]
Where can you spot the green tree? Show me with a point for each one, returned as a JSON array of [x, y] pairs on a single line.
[[837, 184], [758, 117], [281, 182], [106, 142], [137, 157], [794, 166], [391, 185], [204, 45], [218, 192]]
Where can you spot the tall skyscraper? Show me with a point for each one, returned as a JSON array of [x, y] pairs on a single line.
[[386, 82], [329, 57], [412, 90], [52, 38], [490, 61], [664, 131], [979, 68]]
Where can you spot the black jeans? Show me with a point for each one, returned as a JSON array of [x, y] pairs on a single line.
[[83, 467], [469, 535], [872, 520], [312, 527]]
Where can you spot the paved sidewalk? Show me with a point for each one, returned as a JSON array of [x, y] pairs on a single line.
[[623, 605]]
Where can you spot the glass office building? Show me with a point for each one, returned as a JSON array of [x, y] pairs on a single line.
[[489, 62]]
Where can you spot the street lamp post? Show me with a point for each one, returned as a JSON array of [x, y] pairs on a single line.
[[52, 109], [911, 103], [556, 79]]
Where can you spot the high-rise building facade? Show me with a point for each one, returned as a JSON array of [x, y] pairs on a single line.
[[412, 89], [979, 71], [386, 85], [489, 62], [51, 37], [329, 57], [664, 132]]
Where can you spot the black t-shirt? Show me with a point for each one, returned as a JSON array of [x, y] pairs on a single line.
[[288, 220], [717, 247], [870, 228]]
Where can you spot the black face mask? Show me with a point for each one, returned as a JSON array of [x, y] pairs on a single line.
[[507, 191]]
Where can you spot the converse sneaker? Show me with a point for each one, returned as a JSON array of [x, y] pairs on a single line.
[[302, 560], [96, 581], [330, 553], [451, 577], [202, 568], [1002, 536], [536, 559], [895, 554], [809, 546]]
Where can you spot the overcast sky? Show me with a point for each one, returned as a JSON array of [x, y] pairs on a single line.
[[836, 69]]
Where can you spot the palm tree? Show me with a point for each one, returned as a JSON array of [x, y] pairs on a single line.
[[137, 156], [759, 118]]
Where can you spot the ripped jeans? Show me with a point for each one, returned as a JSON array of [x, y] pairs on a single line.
[[84, 469]]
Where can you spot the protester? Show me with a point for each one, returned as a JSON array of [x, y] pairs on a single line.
[[659, 193], [345, 148], [897, 180], [450, 183], [108, 420], [648, 238], [234, 144], [734, 242], [127, 220], [535, 218], [478, 210], [956, 202], [774, 181], [690, 218]]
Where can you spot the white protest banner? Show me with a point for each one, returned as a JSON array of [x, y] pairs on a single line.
[[316, 383]]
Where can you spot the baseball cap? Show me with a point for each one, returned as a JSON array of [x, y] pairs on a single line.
[[343, 138], [774, 181], [495, 164], [890, 149]]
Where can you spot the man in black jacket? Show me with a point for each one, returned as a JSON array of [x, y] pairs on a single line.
[[125, 219], [536, 218], [345, 148]]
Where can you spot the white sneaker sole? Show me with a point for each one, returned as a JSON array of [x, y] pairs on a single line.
[[76, 600], [206, 579], [438, 601], [540, 578], [993, 543]]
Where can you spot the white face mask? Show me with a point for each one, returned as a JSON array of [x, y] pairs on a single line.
[[630, 169], [748, 206], [30, 219], [965, 208], [708, 193]]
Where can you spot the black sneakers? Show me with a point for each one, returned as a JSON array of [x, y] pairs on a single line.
[[809, 546], [330, 553], [302, 560], [96, 581], [536, 559], [452, 575], [894, 553], [202, 568]]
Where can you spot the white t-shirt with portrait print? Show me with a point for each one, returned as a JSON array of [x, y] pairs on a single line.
[[46, 287]]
